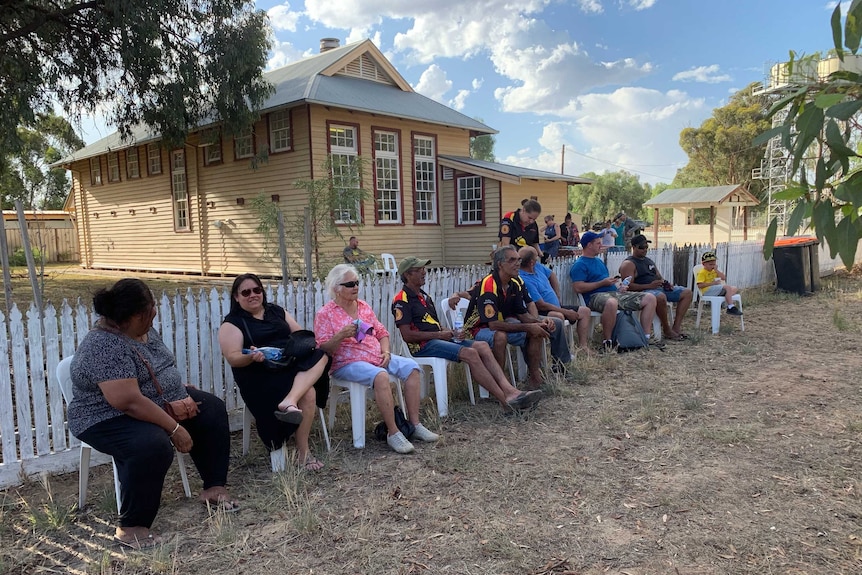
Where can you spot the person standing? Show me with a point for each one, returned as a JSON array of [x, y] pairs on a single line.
[[552, 235], [519, 228]]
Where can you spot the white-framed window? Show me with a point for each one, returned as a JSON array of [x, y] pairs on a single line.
[[279, 131], [471, 208], [212, 153], [343, 150], [95, 172], [387, 178], [154, 159], [425, 179], [113, 167], [179, 189], [243, 145], [133, 166]]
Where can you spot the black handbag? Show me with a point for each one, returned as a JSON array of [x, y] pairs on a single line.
[[381, 432], [299, 345]]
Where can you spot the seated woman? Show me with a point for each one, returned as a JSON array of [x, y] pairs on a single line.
[[282, 400], [123, 375], [366, 359]]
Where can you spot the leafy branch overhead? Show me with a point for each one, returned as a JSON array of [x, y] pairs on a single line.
[[168, 64], [821, 132]]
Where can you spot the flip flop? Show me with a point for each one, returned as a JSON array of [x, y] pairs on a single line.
[[139, 544], [293, 416], [312, 464], [223, 505], [526, 399]]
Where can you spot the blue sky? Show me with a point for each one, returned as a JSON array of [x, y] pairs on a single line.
[[613, 80]]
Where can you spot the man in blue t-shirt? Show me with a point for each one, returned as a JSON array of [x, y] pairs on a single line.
[[591, 279], [543, 287]]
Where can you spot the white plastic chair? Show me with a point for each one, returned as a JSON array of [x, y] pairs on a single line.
[[715, 303], [438, 367], [278, 456], [358, 395], [64, 377], [390, 266]]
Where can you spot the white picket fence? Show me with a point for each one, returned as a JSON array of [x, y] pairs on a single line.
[[33, 433]]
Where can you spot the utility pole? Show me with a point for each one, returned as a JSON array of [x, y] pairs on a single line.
[[563, 161]]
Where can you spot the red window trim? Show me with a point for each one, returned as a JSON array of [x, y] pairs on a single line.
[[400, 143], [413, 136]]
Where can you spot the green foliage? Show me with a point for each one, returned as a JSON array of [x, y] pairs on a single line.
[[609, 193], [720, 152], [167, 64], [482, 147], [19, 258], [333, 203], [27, 176], [821, 132]]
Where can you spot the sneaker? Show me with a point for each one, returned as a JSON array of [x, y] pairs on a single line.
[[422, 433], [607, 347], [399, 443], [733, 311]]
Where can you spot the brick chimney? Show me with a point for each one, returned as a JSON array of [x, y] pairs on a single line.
[[327, 44]]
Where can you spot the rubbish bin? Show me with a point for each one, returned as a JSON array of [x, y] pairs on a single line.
[[797, 264]]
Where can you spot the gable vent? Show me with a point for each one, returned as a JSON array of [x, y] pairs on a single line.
[[366, 68]]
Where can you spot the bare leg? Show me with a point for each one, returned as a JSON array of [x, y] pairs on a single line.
[[729, 292], [681, 307], [303, 381], [648, 304], [534, 362], [661, 312], [307, 404], [383, 398], [412, 397], [500, 387], [501, 341], [609, 317]]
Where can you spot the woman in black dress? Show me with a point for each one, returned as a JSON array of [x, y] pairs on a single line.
[[283, 400]]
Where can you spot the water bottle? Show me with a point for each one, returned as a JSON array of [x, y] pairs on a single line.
[[270, 353], [458, 327], [627, 281]]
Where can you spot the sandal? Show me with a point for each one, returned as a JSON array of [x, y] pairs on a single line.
[[139, 543], [289, 415], [222, 504], [312, 464]]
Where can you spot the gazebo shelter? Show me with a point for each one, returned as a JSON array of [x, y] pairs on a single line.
[[725, 203]]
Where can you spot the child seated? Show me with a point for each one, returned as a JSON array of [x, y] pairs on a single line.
[[710, 281]]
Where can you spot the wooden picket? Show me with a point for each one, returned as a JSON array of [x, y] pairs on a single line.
[[33, 431]]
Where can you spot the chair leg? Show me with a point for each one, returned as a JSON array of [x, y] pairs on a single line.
[[357, 413], [181, 462], [246, 430], [278, 459], [441, 387], [324, 430], [699, 311], [716, 316], [116, 483], [469, 377], [84, 476]]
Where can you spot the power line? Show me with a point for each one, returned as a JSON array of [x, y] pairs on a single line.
[[625, 167]]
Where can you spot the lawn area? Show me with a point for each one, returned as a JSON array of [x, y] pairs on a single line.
[[736, 453]]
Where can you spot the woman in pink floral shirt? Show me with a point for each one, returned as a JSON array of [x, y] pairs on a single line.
[[363, 355]]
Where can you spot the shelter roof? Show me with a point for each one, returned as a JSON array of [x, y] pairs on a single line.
[[713, 196], [505, 172]]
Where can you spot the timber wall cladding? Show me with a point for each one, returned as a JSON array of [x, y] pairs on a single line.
[[57, 240]]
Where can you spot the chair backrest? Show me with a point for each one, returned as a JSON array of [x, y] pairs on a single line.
[[694, 289], [389, 264], [64, 376], [461, 306]]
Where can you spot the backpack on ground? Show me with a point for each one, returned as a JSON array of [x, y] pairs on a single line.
[[628, 334]]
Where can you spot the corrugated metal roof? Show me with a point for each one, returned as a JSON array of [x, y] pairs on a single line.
[[302, 81], [508, 172], [713, 195]]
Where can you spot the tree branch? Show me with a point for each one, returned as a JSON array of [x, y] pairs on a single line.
[[46, 17]]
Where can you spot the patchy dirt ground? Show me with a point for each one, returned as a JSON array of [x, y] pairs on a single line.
[[739, 453]]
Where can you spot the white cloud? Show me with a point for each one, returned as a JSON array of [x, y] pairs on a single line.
[[433, 83], [282, 18], [460, 99], [591, 6], [707, 74], [631, 128], [641, 4], [477, 83], [283, 53]]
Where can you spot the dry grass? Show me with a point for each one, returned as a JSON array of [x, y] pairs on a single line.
[[735, 453]]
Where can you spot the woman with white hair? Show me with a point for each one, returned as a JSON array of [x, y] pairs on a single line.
[[348, 330]]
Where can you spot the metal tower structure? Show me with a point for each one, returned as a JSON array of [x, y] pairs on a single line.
[[775, 171]]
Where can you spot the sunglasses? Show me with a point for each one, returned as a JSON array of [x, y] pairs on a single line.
[[513, 260], [352, 284], [248, 292]]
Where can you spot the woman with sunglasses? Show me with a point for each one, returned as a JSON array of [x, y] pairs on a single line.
[[281, 400], [360, 353]]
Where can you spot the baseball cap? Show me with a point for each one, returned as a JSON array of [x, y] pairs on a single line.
[[588, 237], [411, 262], [640, 240], [619, 215], [708, 257]]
